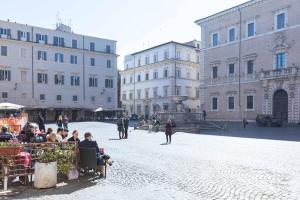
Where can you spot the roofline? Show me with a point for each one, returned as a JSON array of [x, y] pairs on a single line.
[[48, 29], [227, 11], [170, 42]]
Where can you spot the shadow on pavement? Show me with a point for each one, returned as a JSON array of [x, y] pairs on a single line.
[[286, 133], [66, 187]]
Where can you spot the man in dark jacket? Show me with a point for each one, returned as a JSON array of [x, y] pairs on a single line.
[[41, 123], [126, 124], [4, 135], [88, 143]]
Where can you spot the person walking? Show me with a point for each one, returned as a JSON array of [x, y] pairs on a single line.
[[169, 131], [59, 121], [245, 122], [120, 124], [126, 124], [65, 122], [204, 115], [41, 123]]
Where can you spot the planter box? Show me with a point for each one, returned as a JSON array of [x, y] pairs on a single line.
[[10, 151], [45, 175]]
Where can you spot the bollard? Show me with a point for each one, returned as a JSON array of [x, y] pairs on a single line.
[[5, 178]]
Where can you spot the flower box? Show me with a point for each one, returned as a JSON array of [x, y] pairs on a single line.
[[10, 150]]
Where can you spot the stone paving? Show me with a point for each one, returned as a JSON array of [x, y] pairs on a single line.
[[193, 167]]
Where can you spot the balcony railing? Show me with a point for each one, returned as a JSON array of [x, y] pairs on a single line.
[[258, 76]]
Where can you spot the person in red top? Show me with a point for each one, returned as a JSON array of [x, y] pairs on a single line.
[[169, 131]]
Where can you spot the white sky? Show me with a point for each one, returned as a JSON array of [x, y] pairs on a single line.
[[135, 24]]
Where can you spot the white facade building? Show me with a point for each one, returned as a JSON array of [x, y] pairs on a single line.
[[161, 78], [56, 70]]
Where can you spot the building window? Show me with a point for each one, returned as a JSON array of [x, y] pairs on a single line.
[[280, 60], [4, 95], [250, 102], [231, 35], [166, 107], [139, 62], [197, 93], [5, 32], [23, 53], [166, 89], [92, 61], [108, 63], [281, 20], [131, 79], [139, 78], [166, 73], [230, 103], [42, 97], [178, 90], [59, 57], [178, 73], [75, 81], [73, 59], [74, 44], [3, 50], [155, 75], [75, 98], [59, 79], [93, 82], [124, 96], [92, 46], [250, 29], [5, 75], [42, 78], [93, 99], [155, 57], [198, 76], [24, 36], [124, 81], [139, 109], [214, 103], [23, 76], [215, 39], [146, 93], [198, 59], [166, 54], [108, 99], [109, 83], [231, 69], [43, 39], [215, 72], [250, 67], [155, 90], [108, 49], [58, 97], [147, 76], [42, 55], [178, 55], [147, 60], [131, 95], [58, 41], [139, 94]]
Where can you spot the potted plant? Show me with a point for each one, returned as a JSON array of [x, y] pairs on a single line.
[[10, 148], [45, 173], [51, 159]]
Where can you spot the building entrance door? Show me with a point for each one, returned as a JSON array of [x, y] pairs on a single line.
[[146, 112], [280, 105]]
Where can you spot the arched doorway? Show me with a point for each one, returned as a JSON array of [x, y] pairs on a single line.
[[280, 105]]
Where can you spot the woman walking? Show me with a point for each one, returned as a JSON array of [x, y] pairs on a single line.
[[169, 131], [59, 121], [120, 124]]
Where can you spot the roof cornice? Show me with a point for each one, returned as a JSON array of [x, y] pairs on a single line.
[[228, 11]]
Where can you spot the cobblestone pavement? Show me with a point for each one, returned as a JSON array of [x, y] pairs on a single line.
[[203, 167]]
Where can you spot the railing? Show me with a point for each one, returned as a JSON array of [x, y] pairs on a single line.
[[21, 164], [261, 75]]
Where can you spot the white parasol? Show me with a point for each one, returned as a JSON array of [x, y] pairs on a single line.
[[99, 109], [10, 106]]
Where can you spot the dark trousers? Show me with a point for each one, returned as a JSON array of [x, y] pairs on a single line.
[[126, 131], [169, 138]]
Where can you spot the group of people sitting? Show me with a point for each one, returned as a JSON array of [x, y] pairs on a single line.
[[31, 134]]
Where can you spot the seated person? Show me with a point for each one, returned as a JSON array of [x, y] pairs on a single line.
[[49, 131], [74, 137], [51, 137], [88, 143], [65, 134], [4, 135], [59, 134]]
